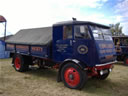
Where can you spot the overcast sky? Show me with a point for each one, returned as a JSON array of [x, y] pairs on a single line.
[[22, 14]]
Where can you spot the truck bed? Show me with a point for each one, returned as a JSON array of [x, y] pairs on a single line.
[[32, 42]]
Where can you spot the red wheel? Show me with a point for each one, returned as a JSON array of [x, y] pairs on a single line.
[[72, 76], [17, 63], [20, 63], [126, 61]]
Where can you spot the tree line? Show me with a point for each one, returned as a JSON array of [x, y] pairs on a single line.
[[116, 29]]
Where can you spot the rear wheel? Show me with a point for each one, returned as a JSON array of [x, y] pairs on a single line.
[[20, 63], [126, 61], [72, 76]]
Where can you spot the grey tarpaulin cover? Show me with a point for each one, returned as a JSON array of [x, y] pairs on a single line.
[[35, 36]]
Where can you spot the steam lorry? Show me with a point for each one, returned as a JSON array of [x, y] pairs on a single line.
[[78, 49]]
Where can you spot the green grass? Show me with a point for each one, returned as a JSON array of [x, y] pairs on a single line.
[[43, 83]]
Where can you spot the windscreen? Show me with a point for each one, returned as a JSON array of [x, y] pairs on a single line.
[[101, 33]]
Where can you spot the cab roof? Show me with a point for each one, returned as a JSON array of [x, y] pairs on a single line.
[[75, 22]]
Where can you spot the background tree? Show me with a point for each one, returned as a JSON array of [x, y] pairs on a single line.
[[116, 29]]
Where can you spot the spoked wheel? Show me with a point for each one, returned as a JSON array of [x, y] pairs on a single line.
[[20, 63], [126, 61], [72, 76]]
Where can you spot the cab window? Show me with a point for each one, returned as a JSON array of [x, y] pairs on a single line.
[[81, 31], [67, 32], [101, 33]]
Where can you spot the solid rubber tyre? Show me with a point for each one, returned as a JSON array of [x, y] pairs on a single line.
[[73, 77], [20, 63]]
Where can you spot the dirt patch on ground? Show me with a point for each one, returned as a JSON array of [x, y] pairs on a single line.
[[43, 83]]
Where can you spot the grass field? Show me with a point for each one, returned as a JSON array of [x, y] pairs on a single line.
[[43, 83]]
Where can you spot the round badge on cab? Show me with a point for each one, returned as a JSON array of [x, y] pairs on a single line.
[[82, 49]]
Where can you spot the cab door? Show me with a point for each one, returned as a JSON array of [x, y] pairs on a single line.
[[83, 45], [64, 45]]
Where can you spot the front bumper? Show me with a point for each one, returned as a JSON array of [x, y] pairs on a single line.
[[100, 69], [106, 63]]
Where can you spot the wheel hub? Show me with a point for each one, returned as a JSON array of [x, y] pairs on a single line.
[[71, 77]]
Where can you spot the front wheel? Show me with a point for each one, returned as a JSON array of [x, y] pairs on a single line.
[[72, 76]]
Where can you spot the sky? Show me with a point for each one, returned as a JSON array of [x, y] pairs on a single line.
[[23, 14]]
